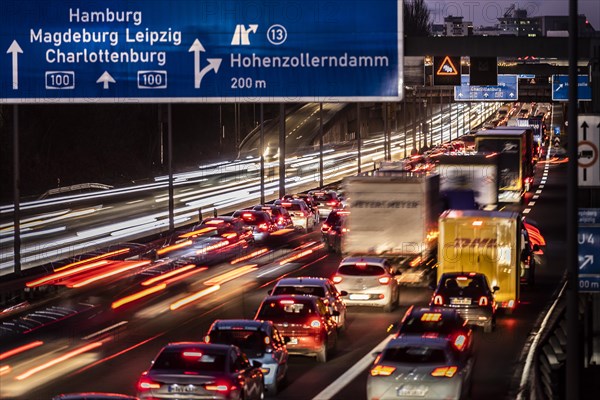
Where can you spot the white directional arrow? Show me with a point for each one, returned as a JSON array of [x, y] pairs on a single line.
[[486, 95], [587, 259], [511, 95], [197, 47], [460, 94], [105, 79], [213, 64], [15, 49]]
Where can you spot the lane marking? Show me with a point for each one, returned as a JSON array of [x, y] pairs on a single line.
[[531, 204], [541, 186], [536, 196], [352, 373], [531, 350], [526, 211], [538, 192]]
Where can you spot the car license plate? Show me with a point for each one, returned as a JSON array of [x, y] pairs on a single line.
[[460, 300], [183, 389], [410, 390], [356, 296], [293, 341]]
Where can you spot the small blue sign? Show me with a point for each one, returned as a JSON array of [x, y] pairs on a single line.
[[560, 88], [506, 90], [557, 130], [588, 240], [164, 51], [526, 76]]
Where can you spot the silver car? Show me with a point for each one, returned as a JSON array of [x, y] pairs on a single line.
[[302, 215], [424, 367], [369, 281]]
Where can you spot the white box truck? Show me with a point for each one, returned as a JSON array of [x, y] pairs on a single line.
[[394, 214]]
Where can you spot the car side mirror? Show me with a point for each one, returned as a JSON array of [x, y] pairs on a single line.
[[343, 293], [496, 288], [536, 247], [393, 328], [256, 364]]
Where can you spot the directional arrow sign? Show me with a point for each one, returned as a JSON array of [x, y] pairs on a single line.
[[560, 88], [15, 49], [105, 79], [506, 90], [588, 240], [164, 51]]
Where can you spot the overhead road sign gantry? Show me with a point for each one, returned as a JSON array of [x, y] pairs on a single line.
[[117, 51], [506, 90]]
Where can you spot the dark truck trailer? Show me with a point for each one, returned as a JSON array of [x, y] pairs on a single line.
[[515, 160], [468, 173]]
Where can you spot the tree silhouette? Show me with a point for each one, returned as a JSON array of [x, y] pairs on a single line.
[[416, 18]]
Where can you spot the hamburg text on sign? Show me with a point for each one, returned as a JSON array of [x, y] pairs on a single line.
[[198, 51]]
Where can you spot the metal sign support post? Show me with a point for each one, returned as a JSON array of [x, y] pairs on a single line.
[[573, 347], [358, 137], [16, 191], [414, 124], [170, 166], [320, 144], [404, 121], [281, 150], [262, 154]]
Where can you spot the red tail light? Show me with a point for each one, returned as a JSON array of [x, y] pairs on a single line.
[[146, 383], [460, 342], [483, 301], [337, 279], [219, 387], [384, 280], [438, 300], [332, 203], [382, 370], [315, 323], [263, 227], [446, 372]]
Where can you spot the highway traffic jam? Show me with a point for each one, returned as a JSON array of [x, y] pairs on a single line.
[[428, 257]]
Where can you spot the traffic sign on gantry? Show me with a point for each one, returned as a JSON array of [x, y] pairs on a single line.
[[200, 51]]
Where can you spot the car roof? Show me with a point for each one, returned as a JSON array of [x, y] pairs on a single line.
[[240, 323], [302, 280], [367, 259], [216, 348]]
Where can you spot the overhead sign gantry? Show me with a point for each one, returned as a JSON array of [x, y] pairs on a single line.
[[197, 51]]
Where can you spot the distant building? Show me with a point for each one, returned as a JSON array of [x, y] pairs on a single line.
[[455, 26], [516, 23], [437, 30]]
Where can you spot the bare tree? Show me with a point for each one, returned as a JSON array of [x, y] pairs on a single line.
[[416, 18]]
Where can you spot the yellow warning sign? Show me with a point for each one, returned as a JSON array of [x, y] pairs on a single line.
[[447, 68]]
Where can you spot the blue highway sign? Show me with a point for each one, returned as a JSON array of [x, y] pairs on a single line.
[[506, 90], [560, 88], [165, 51], [588, 240]]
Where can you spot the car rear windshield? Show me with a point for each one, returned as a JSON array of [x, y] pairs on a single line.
[[250, 218], [464, 286], [247, 340], [282, 309], [361, 270], [190, 360], [414, 355], [292, 206], [306, 290], [323, 196]]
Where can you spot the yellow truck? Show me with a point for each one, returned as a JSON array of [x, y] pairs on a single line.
[[487, 242]]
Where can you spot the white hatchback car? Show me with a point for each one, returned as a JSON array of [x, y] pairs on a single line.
[[369, 281], [302, 215]]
